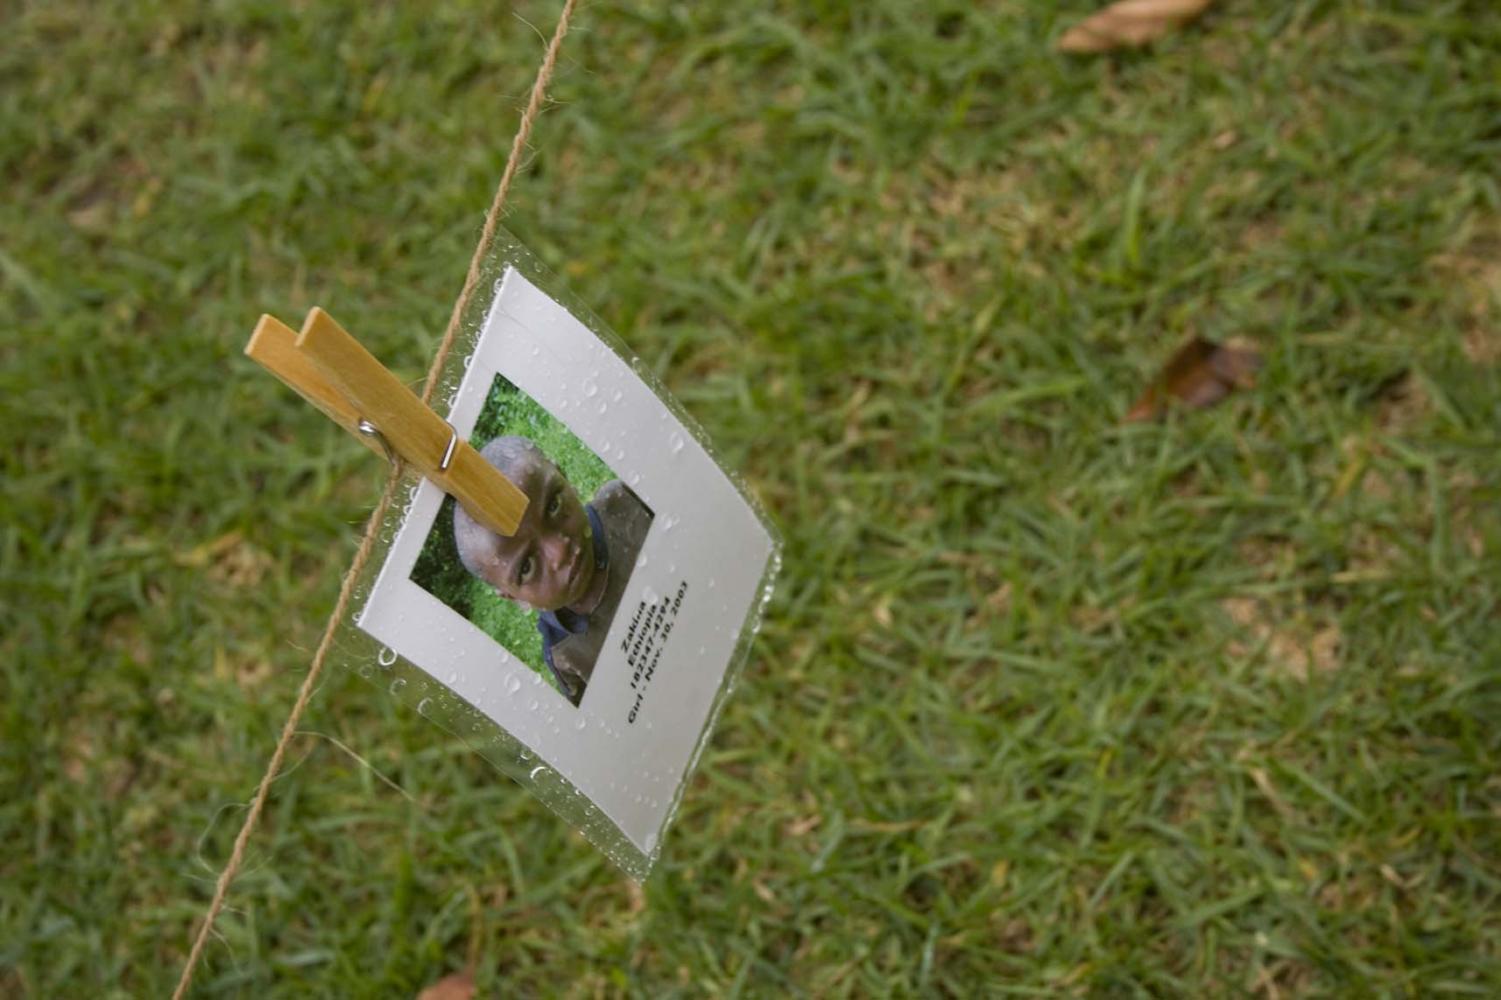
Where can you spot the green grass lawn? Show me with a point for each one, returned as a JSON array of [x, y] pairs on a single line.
[[1044, 705]]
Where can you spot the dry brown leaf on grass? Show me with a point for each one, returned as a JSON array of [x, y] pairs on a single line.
[[1129, 23], [459, 986], [1199, 374]]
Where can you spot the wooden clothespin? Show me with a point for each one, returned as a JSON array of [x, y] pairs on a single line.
[[331, 370]]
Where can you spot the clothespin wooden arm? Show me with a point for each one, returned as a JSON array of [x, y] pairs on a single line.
[[329, 368], [274, 346], [412, 430]]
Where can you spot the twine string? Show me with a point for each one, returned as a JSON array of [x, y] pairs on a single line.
[[372, 528]]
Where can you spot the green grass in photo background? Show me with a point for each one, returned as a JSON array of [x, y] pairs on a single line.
[[507, 410], [1043, 705]]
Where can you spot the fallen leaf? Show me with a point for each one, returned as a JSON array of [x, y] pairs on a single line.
[[1198, 375], [458, 986], [1129, 23]]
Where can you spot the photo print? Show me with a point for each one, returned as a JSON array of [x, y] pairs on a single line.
[[601, 635], [548, 593]]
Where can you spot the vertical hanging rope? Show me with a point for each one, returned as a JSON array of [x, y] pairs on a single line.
[[372, 528]]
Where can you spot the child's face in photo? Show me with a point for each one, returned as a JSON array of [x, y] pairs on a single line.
[[549, 562]]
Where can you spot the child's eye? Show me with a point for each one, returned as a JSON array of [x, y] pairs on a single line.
[[524, 571], [555, 504]]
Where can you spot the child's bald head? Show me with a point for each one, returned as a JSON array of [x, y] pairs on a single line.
[[549, 562]]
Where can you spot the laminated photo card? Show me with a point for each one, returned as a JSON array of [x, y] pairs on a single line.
[[588, 652]]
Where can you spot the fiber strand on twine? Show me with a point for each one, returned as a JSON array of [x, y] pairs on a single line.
[[372, 528]]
